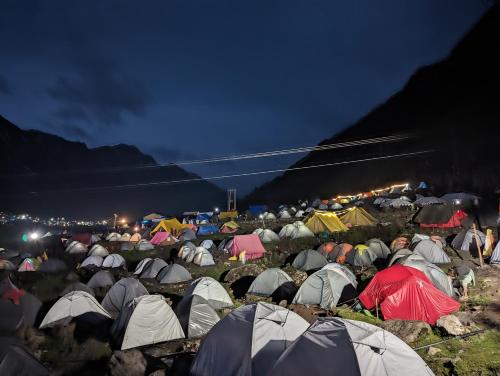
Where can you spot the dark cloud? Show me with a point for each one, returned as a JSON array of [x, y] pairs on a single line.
[[101, 92], [5, 87]]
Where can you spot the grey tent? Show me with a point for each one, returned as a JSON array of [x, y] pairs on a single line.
[[187, 234], [433, 272], [248, 341], [196, 316], [101, 279], [325, 288], [152, 269], [53, 265], [212, 291], [309, 260], [17, 359], [379, 248], [337, 346], [268, 282], [173, 273], [77, 286], [431, 252], [122, 293], [142, 265]]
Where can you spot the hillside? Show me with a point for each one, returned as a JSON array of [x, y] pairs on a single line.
[[47, 175], [453, 108]]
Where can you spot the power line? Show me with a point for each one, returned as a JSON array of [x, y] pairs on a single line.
[[274, 153], [220, 177]]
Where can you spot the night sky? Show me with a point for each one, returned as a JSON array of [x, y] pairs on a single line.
[[195, 79]]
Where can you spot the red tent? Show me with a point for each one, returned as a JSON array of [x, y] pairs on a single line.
[[405, 293], [250, 244]]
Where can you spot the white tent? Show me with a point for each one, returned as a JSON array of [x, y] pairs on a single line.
[[212, 291], [98, 250], [72, 305], [266, 235], [114, 260]]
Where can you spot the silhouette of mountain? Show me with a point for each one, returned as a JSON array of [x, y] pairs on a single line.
[[452, 107], [47, 175]]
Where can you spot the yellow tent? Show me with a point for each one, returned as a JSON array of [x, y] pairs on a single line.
[[228, 214], [169, 225], [358, 217], [322, 221]]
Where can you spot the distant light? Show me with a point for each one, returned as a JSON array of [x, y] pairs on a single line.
[[34, 236]]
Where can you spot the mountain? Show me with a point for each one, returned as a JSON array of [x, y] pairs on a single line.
[[46, 175], [452, 107]]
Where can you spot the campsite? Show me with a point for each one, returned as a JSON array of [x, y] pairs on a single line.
[[179, 296]]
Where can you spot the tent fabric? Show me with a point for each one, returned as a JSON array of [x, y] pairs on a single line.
[[17, 359], [439, 216], [142, 265], [207, 230], [121, 294], [268, 282], [102, 278], [360, 348], [146, 320], [309, 259], [430, 251], [196, 316], [98, 250], [152, 268], [210, 290], [296, 230], [249, 243], [114, 260], [72, 305], [77, 286], [266, 235], [53, 265], [203, 257], [324, 288], [248, 341], [358, 217], [173, 273], [322, 221], [405, 293]]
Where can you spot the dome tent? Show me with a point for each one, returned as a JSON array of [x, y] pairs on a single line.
[[152, 268], [102, 278], [325, 288], [430, 251], [114, 260], [309, 259], [98, 250], [77, 286], [266, 235], [122, 293], [142, 265], [360, 348], [146, 320], [268, 282], [173, 273], [92, 262], [211, 290], [196, 316], [248, 341], [72, 305], [202, 257]]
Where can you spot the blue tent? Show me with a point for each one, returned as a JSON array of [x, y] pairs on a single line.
[[208, 230], [257, 210]]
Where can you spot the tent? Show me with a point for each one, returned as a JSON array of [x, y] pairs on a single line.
[[321, 221], [296, 230], [430, 251], [207, 230], [309, 259], [135, 238], [29, 265], [72, 305], [187, 234], [358, 217], [98, 250], [249, 243], [405, 293], [268, 282], [92, 262], [203, 257], [76, 286], [75, 248], [467, 239], [248, 341], [53, 265], [113, 237], [326, 288], [196, 316], [101, 279], [229, 227], [146, 320], [210, 290], [122, 293], [173, 273], [361, 255], [378, 248], [114, 260], [152, 268], [347, 347], [172, 226], [439, 216], [17, 359], [266, 235], [144, 245], [142, 265]]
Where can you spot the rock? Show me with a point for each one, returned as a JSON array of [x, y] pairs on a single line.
[[451, 325], [432, 351], [409, 331], [127, 363], [246, 270]]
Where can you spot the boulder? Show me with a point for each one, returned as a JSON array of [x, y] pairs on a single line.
[[451, 325], [127, 363], [252, 270], [408, 330]]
